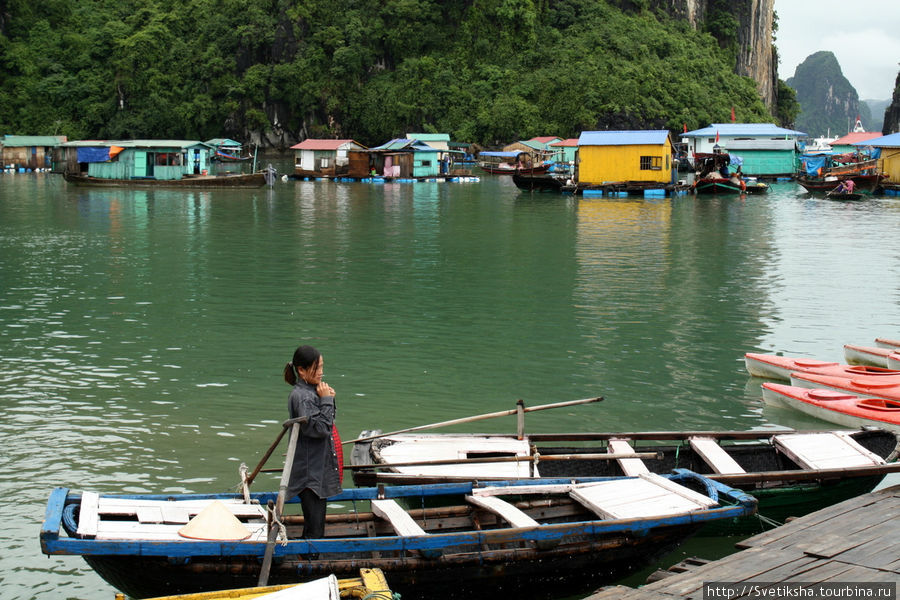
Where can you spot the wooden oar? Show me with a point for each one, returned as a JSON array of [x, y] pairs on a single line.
[[508, 459], [279, 505], [473, 418], [284, 427]]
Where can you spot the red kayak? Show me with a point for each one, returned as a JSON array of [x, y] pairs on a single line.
[[880, 387], [772, 366], [868, 355], [834, 406]]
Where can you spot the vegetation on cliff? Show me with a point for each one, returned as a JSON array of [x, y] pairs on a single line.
[[828, 101], [485, 71]]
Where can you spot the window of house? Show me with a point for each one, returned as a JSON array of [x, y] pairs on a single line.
[[651, 163]]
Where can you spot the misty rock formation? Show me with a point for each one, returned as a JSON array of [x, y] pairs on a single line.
[[892, 114], [829, 103]]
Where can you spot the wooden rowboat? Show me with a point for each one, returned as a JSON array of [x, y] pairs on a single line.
[[845, 409], [559, 537], [196, 181], [762, 463], [772, 366], [370, 584]]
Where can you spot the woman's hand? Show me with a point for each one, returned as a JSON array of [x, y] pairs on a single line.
[[323, 389]]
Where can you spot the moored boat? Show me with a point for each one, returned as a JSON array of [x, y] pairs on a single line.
[[241, 180], [887, 387], [875, 356], [718, 185], [883, 342], [772, 366], [562, 536], [757, 462], [537, 183], [510, 162], [370, 584], [848, 410]]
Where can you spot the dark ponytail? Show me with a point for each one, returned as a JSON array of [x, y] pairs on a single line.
[[304, 358]]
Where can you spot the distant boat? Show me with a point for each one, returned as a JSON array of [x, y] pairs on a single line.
[[508, 163], [187, 181]]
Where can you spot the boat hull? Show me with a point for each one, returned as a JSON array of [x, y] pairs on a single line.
[[718, 186], [863, 183], [537, 183], [887, 388], [563, 536], [771, 366], [564, 570], [868, 355], [199, 181], [834, 406]]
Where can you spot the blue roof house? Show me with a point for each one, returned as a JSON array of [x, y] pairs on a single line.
[[765, 148]]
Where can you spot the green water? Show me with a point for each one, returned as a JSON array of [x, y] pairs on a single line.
[[143, 333]]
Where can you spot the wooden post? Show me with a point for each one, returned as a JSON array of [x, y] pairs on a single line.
[[279, 504], [520, 420]]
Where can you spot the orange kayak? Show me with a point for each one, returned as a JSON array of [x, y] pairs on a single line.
[[772, 366], [835, 406]]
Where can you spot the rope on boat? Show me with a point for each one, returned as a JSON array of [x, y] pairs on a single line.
[[282, 530], [767, 521]]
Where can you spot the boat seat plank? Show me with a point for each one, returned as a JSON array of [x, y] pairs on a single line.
[[132, 530], [825, 450], [504, 490], [88, 514], [714, 455], [164, 511], [505, 510], [399, 519], [645, 496], [630, 466]]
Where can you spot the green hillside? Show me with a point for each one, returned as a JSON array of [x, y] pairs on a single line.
[[828, 102], [485, 71]]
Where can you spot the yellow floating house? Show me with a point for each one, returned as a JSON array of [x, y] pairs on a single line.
[[887, 151], [606, 157]]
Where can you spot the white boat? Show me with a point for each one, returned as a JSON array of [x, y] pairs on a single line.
[[875, 356], [887, 343]]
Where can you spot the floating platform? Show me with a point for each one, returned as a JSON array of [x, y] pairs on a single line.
[[855, 541]]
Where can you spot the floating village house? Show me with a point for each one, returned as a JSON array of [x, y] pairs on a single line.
[[765, 149], [538, 148], [136, 159], [29, 151], [564, 151], [441, 142], [853, 141], [406, 159], [330, 158], [887, 151], [644, 157], [225, 155]]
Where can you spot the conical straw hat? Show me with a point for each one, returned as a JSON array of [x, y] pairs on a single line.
[[215, 522]]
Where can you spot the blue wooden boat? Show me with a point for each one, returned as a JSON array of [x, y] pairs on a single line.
[[556, 537]]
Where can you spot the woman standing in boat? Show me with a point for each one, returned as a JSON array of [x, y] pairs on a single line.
[[316, 472]]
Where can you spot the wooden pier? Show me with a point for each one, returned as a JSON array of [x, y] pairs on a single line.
[[855, 541]]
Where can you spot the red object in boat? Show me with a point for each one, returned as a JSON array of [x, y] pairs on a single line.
[[773, 366], [836, 406]]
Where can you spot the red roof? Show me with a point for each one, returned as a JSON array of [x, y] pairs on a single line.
[[569, 143], [854, 138], [313, 144], [545, 139]]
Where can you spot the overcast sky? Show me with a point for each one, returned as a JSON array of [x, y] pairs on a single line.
[[864, 35]]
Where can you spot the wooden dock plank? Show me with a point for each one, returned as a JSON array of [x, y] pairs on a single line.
[[855, 541], [824, 451]]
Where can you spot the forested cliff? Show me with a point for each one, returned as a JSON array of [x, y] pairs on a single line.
[[486, 71]]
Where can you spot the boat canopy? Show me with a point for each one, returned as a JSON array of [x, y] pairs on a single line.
[[813, 163], [89, 154], [512, 154]]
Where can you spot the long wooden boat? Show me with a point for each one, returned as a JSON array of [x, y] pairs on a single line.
[[845, 409], [718, 186], [195, 181], [772, 366], [561, 536], [537, 183], [863, 183], [765, 464], [370, 584]]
